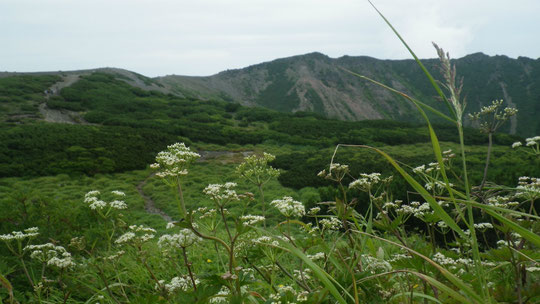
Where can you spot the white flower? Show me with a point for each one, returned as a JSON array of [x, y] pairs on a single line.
[[256, 169], [316, 256], [248, 220], [532, 269], [118, 193], [139, 234], [18, 235], [289, 207], [182, 239], [314, 210], [331, 223], [51, 255], [266, 240], [174, 161], [118, 205], [516, 144], [221, 193], [180, 284], [126, 237], [482, 226], [366, 181], [221, 296]]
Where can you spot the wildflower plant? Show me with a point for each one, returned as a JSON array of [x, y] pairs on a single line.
[[490, 118], [257, 171], [171, 165], [532, 142]]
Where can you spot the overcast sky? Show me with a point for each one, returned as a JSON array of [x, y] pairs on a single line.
[[204, 37]]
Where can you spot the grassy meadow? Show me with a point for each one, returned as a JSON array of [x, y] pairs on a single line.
[[259, 206]]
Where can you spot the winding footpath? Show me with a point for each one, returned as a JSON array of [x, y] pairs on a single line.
[[223, 156], [149, 204]]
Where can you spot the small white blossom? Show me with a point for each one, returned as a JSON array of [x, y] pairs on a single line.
[[221, 193], [182, 239], [331, 223], [18, 235], [248, 220], [289, 207], [174, 161]]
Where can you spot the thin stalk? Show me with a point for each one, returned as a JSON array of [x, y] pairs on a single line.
[[306, 288], [490, 138], [104, 279], [474, 240], [263, 204], [268, 280], [26, 272], [188, 266], [182, 206]]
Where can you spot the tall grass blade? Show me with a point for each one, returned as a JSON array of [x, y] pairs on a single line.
[[322, 275], [438, 210], [447, 274], [420, 64], [415, 101]]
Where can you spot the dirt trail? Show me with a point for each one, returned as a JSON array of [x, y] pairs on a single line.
[[149, 204], [61, 116], [221, 156]]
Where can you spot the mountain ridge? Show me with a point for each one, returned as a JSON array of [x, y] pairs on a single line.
[[315, 82]]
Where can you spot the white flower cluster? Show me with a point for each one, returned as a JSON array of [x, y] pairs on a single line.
[[206, 212], [316, 256], [221, 193], [416, 209], [51, 255], [182, 239], [483, 226], [174, 161], [336, 172], [366, 181], [459, 263], [375, 265], [289, 207], [314, 210], [256, 169], [91, 198], [431, 167], [533, 269], [533, 142], [301, 275], [19, 235], [220, 297], [501, 201], [115, 256], [399, 256], [435, 184], [178, 284], [266, 240], [513, 241], [492, 112], [248, 220], [528, 188], [138, 235], [283, 291], [331, 223]]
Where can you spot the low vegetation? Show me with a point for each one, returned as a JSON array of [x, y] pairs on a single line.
[[399, 217]]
